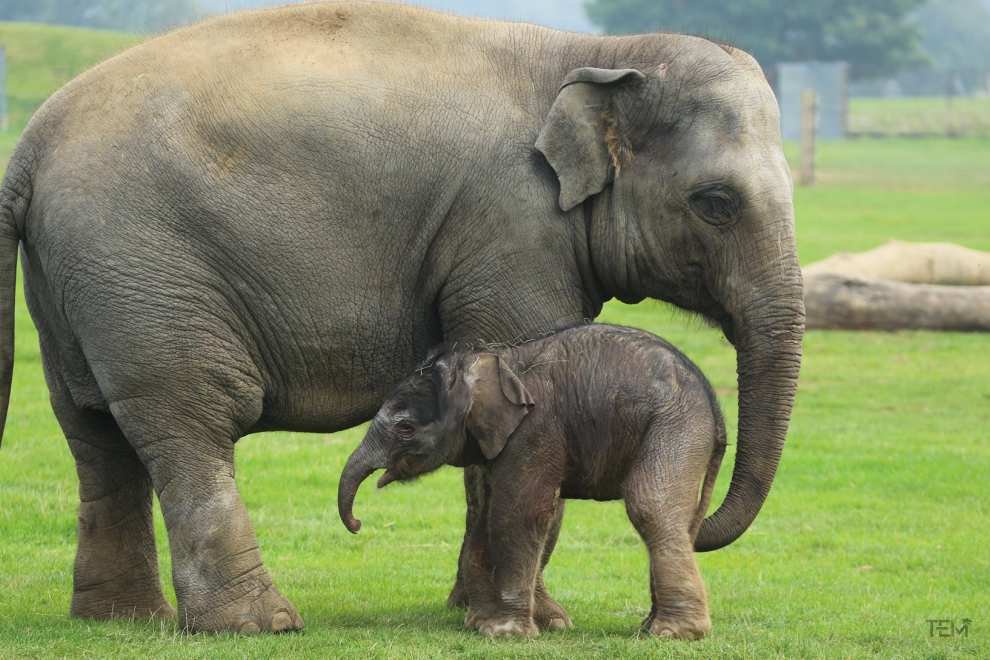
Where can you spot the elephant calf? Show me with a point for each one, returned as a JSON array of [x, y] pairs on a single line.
[[594, 412]]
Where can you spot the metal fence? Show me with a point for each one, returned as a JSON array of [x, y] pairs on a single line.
[[829, 81]]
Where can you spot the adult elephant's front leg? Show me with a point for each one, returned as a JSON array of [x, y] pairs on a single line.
[[548, 613], [220, 581], [474, 492]]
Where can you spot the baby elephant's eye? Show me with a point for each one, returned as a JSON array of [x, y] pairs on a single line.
[[404, 429]]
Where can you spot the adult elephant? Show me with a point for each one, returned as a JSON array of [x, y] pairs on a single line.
[[265, 220]]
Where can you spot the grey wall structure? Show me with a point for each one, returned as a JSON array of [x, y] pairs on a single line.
[[829, 80]]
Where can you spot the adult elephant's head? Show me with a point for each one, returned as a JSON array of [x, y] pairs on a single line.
[[679, 171]]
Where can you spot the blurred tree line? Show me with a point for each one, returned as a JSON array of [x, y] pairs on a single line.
[[126, 15], [955, 34], [878, 38], [875, 37]]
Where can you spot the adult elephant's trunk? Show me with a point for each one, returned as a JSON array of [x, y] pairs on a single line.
[[368, 457], [768, 341]]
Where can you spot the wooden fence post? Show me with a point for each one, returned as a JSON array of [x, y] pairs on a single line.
[[806, 177]]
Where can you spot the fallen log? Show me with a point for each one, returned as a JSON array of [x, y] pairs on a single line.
[[919, 263], [842, 302]]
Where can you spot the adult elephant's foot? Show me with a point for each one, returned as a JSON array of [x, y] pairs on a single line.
[[677, 628], [548, 613], [113, 601], [252, 606], [505, 626]]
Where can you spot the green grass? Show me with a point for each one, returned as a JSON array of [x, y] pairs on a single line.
[[870, 191], [968, 116], [877, 521]]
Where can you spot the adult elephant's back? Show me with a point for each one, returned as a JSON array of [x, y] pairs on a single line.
[[286, 173]]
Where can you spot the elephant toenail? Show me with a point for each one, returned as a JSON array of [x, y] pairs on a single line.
[[281, 622], [557, 624], [249, 628]]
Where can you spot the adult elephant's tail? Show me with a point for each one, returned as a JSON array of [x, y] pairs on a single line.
[[14, 200]]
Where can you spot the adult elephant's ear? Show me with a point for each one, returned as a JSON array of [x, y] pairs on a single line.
[[575, 138]]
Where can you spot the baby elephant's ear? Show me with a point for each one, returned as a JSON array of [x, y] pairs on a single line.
[[499, 401]]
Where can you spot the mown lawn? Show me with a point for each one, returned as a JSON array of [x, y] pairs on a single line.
[[877, 522], [932, 115]]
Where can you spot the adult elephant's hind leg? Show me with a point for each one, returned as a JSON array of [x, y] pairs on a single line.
[[474, 491], [548, 613], [188, 447], [116, 568]]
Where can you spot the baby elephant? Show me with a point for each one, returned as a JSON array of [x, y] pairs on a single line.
[[594, 412]]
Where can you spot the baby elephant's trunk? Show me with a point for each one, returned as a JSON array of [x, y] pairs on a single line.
[[368, 457]]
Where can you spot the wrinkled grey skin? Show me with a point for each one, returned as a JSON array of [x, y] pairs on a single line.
[[263, 222], [594, 412]]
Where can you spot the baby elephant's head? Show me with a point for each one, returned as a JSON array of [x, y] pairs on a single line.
[[425, 422]]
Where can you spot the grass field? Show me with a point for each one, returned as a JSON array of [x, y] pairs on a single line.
[[876, 524], [967, 116]]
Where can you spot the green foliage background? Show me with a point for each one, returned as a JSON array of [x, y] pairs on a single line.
[[875, 37], [130, 15]]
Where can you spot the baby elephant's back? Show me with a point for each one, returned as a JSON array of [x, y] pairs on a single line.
[[635, 366], [620, 387]]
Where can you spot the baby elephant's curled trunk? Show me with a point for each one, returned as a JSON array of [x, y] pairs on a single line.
[[368, 457]]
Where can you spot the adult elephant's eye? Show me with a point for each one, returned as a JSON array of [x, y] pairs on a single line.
[[404, 429], [716, 205]]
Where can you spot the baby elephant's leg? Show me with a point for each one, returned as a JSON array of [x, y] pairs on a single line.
[[517, 530], [661, 495], [475, 573]]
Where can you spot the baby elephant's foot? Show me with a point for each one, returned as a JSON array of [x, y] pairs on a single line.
[[683, 628], [472, 617], [264, 612], [505, 626], [549, 615], [458, 598]]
